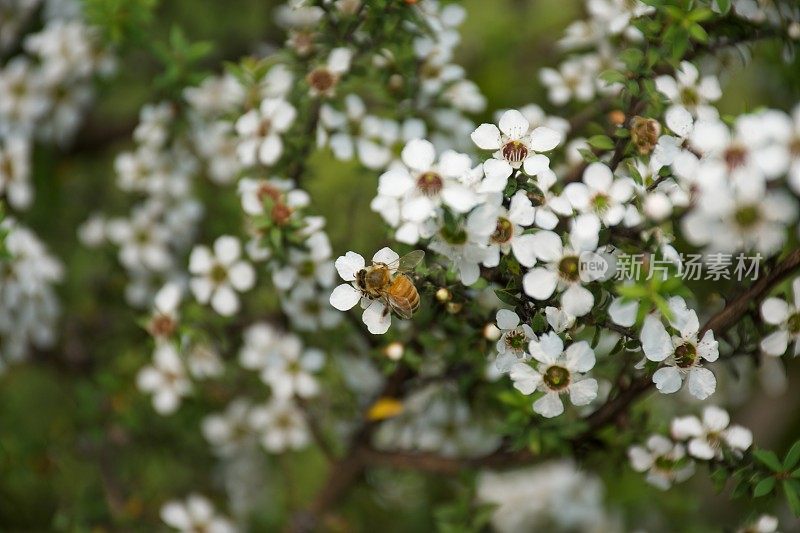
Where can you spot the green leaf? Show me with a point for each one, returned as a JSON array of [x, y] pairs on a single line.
[[769, 459], [613, 76], [698, 33], [722, 6], [603, 142], [764, 487], [791, 489], [792, 457]]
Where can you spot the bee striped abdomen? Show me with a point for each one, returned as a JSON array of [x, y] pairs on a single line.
[[403, 296]]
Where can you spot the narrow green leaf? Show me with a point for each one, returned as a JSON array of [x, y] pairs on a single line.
[[603, 142], [792, 457], [792, 492], [769, 459], [764, 487]]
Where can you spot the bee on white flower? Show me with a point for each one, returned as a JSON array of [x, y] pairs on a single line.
[[664, 461], [281, 425], [165, 379], [683, 353], [514, 340], [381, 288], [195, 514], [220, 274], [260, 131], [601, 194], [558, 372], [708, 437], [786, 317], [515, 147]]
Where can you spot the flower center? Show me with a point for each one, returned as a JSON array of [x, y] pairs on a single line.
[[686, 355], [162, 325], [263, 127], [321, 79], [219, 273], [503, 231], [280, 213], [515, 340], [556, 378], [601, 202], [664, 464], [689, 96], [747, 216], [568, 267], [429, 183], [453, 236], [793, 324], [306, 269], [515, 152], [735, 156], [265, 190]]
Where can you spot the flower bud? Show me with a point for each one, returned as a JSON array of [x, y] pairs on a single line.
[[616, 117], [443, 295], [490, 332], [394, 351], [644, 134]]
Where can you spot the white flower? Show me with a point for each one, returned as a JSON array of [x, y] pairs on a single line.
[[322, 81], [377, 315], [293, 373], [574, 79], [228, 432], [561, 272], [764, 524], [219, 275], [501, 228], [15, 171], [465, 250], [194, 515], [707, 438], [204, 361], [778, 312], [601, 194], [165, 379], [688, 89], [164, 318], [281, 424], [513, 341], [309, 309], [682, 353], [260, 131], [515, 146], [423, 184], [664, 461], [558, 372]]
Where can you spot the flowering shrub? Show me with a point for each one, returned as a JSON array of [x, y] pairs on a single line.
[[553, 301]]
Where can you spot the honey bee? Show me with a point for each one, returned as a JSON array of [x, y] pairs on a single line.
[[388, 283]]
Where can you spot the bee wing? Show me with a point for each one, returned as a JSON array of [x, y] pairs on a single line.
[[401, 306], [409, 261]]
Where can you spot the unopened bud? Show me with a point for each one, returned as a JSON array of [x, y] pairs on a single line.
[[443, 295], [644, 134], [616, 117], [794, 31], [394, 351], [454, 307], [395, 82], [490, 332]]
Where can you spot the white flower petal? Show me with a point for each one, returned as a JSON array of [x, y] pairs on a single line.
[[667, 380], [583, 392], [539, 283], [345, 297], [544, 139], [507, 319], [549, 405], [701, 383], [486, 137]]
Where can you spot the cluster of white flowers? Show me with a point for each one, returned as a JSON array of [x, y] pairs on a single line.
[[554, 496], [153, 239], [29, 308], [46, 86], [667, 461], [195, 513], [435, 419]]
